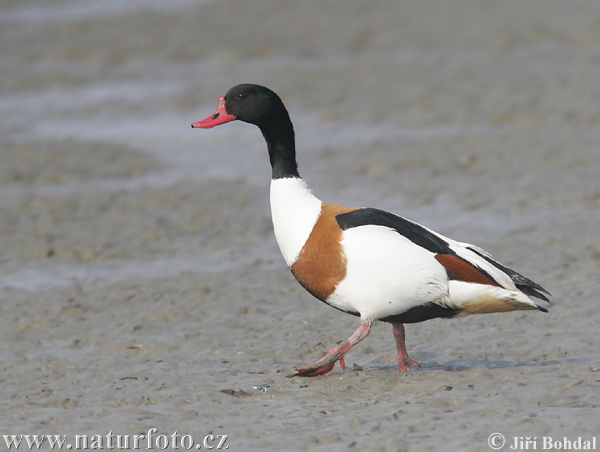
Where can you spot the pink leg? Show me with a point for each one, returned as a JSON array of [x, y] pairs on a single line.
[[337, 353], [404, 362]]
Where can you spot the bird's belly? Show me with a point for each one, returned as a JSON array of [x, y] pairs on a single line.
[[386, 274]]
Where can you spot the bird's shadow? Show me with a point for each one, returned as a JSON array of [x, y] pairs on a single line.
[[458, 365]]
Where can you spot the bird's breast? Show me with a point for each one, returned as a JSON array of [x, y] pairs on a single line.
[[321, 263]]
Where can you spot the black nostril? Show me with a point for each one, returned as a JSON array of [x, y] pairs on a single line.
[[215, 116]]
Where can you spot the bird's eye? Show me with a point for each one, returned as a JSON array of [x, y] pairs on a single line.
[[240, 96]]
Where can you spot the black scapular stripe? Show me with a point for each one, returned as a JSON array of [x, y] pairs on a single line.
[[412, 231]]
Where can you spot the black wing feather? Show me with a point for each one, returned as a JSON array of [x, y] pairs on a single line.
[[525, 285]]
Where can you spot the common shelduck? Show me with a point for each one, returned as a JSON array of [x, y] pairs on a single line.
[[364, 261]]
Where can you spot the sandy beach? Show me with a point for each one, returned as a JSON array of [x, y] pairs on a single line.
[[141, 285]]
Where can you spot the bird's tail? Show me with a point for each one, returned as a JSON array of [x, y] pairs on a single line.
[[472, 298]]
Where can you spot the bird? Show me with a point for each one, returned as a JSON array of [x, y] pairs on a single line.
[[364, 261]]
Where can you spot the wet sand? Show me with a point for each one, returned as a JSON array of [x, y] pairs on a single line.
[[141, 286]]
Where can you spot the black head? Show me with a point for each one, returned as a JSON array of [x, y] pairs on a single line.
[[260, 106], [250, 103]]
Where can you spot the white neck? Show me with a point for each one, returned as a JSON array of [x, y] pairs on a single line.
[[294, 210]]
